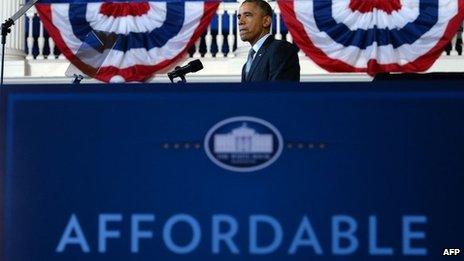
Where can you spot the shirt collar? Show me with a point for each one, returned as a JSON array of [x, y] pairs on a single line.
[[260, 43]]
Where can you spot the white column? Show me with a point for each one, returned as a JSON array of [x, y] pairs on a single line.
[[15, 57], [220, 36], [15, 39]]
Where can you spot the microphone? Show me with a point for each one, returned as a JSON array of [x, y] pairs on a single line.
[[193, 66]]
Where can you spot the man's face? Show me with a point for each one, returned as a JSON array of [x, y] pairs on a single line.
[[252, 23]]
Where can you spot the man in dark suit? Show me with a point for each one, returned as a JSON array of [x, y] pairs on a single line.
[[269, 59]]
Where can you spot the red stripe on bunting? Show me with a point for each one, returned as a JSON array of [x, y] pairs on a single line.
[[366, 6], [423, 63], [134, 73], [124, 9]]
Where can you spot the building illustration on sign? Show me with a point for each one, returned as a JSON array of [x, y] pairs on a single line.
[[243, 140]]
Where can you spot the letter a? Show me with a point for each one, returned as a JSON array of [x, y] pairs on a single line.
[[79, 239], [305, 228]]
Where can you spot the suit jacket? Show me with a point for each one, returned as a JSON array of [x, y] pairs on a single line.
[[276, 60]]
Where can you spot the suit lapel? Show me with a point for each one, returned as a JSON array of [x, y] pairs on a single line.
[[258, 56]]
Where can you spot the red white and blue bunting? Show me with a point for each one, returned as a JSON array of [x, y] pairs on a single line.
[[151, 35], [373, 35]]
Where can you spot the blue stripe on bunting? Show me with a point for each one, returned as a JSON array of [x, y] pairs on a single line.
[[362, 39], [157, 38]]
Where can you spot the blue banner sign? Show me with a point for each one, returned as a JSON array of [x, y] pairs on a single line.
[[340, 171]]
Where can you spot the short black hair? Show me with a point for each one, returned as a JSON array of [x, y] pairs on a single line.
[[263, 5]]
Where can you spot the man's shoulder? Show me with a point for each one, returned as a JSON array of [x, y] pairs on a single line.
[[282, 45]]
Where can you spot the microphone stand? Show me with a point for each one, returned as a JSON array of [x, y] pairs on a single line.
[[6, 29]]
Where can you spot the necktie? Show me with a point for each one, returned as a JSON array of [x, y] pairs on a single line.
[[249, 61]]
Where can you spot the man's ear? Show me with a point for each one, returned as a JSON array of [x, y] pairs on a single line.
[[267, 21]]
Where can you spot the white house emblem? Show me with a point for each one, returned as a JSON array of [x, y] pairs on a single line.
[[243, 144]]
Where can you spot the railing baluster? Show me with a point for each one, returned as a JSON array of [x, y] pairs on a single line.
[[41, 42], [209, 42], [30, 38], [230, 37], [197, 53], [289, 37], [20, 42], [454, 51], [219, 36], [51, 43], [459, 42]]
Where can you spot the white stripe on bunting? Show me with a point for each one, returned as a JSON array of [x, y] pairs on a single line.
[[356, 20], [60, 19], [154, 18]]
